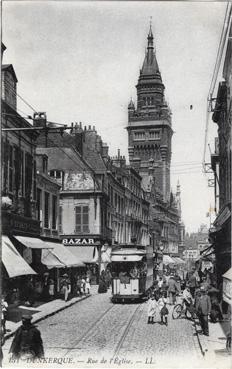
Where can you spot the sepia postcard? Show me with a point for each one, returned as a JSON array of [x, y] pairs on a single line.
[[116, 184]]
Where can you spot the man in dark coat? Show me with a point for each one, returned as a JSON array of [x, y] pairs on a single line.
[[172, 290], [203, 308], [27, 341]]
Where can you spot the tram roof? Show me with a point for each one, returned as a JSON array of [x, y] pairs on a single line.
[[128, 251]]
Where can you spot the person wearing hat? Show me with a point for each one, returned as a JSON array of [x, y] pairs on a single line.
[[203, 308], [27, 342], [65, 286]]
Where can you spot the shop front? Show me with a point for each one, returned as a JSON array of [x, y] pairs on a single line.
[[227, 289], [89, 251], [220, 237], [17, 268]]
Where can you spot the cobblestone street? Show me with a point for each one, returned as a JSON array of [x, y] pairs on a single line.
[[97, 331]]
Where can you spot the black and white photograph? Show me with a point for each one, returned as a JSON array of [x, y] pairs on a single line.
[[116, 184]]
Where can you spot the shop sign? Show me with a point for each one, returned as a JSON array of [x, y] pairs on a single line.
[[78, 241], [16, 223]]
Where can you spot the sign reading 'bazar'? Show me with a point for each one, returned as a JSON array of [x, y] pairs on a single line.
[[78, 241]]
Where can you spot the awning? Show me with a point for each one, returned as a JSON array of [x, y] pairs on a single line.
[[64, 255], [87, 254], [228, 274], [227, 286], [14, 263], [222, 217], [168, 260], [33, 243], [50, 260]]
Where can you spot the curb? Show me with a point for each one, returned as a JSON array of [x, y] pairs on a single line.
[[36, 320], [200, 340]]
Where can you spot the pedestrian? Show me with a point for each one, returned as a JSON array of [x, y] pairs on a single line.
[[216, 313], [153, 309], [192, 282], [65, 286], [160, 284], [203, 308], [27, 342], [87, 285], [4, 307], [78, 286], [102, 288], [2, 343], [45, 292], [172, 290], [108, 277], [83, 285], [51, 287], [163, 309]]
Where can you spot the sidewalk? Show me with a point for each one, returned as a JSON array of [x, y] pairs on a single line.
[[213, 347], [45, 310]]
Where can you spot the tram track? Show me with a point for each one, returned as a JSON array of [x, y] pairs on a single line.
[[87, 337], [125, 332], [88, 332]]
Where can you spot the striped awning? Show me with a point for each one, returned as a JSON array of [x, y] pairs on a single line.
[[14, 263]]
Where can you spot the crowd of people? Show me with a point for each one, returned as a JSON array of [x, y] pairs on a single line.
[[199, 295]]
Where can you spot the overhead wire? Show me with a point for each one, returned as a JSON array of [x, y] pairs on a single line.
[[223, 39], [16, 94]]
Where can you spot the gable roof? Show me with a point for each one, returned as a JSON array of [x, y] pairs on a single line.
[[10, 68]]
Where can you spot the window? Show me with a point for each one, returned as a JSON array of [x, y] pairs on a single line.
[[45, 165], [10, 169], [139, 135], [60, 219], [82, 219], [34, 181], [22, 174], [54, 211], [46, 209], [154, 135], [38, 204]]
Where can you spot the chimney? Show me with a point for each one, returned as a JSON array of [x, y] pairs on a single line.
[[105, 150]]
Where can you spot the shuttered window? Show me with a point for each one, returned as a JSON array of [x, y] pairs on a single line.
[[10, 169], [60, 219], [54, 211], [46, 210], [82, 219]]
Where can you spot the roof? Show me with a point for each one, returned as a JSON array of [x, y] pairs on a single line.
[[150, 65], [94, 159], [10, 68]]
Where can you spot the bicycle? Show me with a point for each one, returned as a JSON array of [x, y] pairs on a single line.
[[181, 309]]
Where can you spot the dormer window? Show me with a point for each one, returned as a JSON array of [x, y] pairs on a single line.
[[56, 174], [45, 165]]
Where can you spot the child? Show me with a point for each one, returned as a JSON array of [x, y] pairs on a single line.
[[83, 285], [152, 309], [87, 285], [163, 309]]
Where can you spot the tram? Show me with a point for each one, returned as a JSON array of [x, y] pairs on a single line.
[[132, 272]]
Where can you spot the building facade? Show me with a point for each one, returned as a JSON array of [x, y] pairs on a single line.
[[220, 233], [149, 139]]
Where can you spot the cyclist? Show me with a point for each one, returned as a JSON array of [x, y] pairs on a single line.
[[188, 299]]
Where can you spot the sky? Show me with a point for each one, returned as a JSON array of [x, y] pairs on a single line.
[[79, 61]]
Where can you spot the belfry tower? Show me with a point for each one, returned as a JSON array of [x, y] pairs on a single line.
[[149, 124]]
